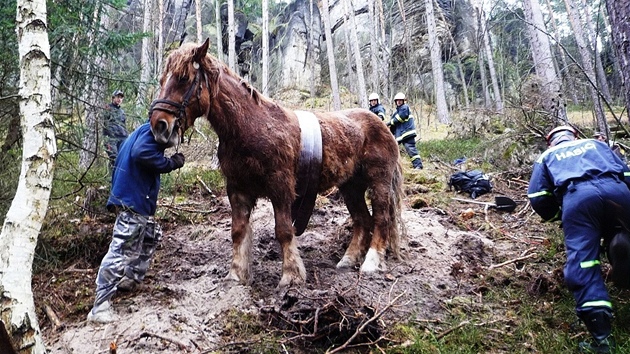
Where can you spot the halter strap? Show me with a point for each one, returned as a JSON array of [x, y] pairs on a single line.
[[180, 108]]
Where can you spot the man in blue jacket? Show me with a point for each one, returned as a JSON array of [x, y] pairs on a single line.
[[134, 193], [584, 183], [375, 106], [404, 129]]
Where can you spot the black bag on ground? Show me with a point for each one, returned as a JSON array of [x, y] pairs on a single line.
[[473, 182]]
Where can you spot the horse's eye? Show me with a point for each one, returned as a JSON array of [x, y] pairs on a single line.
[[183, 79]]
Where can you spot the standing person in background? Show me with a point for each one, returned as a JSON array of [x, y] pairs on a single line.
[[585, 185], [615, 147], [136, 235], [376, 107], [114, 127], [404, 129]]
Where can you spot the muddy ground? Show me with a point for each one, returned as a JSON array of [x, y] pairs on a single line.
[[185, 306]]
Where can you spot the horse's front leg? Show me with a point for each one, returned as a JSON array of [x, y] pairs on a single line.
[[353, 195], [375, 257], [293, 271], [242, 206]]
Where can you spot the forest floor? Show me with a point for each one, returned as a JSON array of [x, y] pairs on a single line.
[[184, 305]]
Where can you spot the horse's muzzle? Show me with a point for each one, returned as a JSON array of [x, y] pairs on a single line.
[[164, 133]]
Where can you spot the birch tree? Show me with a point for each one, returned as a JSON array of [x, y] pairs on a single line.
[[436, 65], [145, 54], [591, 37], [553, 103], [231, 36], [311, 48], [265, 47], [373, 46], [330, 51], [363, 101], [198, 20], [23, 221]]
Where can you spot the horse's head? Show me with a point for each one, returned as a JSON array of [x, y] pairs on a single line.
[[184, 94]]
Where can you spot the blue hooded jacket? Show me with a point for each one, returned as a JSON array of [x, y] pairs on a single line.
[[584, 159], [136, 177]]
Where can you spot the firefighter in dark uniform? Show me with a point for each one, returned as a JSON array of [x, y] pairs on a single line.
[[585, 184], [376, 107], [404, 129]]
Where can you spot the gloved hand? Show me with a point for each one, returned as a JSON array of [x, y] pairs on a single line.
[[178, 160]]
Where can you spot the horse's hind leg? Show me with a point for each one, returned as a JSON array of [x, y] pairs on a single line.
[[242, 206], [293, 271], [354, 196], [381, 208]]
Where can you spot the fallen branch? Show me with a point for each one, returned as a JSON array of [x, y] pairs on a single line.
[[180, 345], [440, 336], [206, 187], [362, 327], [522, 258], [54, 319]]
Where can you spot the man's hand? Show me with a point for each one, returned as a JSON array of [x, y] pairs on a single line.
[[178, 160]]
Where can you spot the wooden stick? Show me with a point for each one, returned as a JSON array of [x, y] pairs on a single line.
[[54, 319], [205, 186], [180, 345], [441, 335], [522, 258]]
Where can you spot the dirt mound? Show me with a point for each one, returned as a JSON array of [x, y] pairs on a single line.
[[185, 305]]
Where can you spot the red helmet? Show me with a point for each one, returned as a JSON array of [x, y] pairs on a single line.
[[561, 133]]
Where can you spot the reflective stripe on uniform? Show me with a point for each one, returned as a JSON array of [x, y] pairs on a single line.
[[598, 303], [539, 194], [405, 135], [589, 264]]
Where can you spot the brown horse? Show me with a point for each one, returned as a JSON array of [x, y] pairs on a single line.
[[260, 146]]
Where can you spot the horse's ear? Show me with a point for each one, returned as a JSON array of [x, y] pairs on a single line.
[[200, 52]]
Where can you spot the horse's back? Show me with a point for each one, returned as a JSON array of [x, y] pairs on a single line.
[[355, 140]]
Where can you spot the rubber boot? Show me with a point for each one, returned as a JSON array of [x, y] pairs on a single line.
[[598, 322], [619, 256]]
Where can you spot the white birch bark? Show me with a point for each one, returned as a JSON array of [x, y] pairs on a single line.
[[198, 20], [373, 47], [311, 47], [160, 41], [436, 65], [231, 36], [363, 101], [330, 51], [25, 216], [265, 47], [553, 103]]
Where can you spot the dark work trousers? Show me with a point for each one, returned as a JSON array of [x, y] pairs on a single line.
[[590, 210], [410, 146]]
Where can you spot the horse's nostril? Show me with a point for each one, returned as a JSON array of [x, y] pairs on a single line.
[[161, 126]]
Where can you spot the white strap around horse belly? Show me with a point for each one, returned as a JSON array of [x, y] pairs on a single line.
[[309, 169]]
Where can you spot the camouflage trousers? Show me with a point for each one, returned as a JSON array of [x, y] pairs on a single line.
[[135, 239]]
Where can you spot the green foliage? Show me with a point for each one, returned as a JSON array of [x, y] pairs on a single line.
[[448, 150]]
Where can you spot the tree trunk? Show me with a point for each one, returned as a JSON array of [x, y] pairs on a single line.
[[91, 140], [565, 70], [619, 12], [145, 54], [330, 51], [592, 35], [25, 216], [198, 20], [363, 101], [231, 36], [587, 64], [373, 47], [491, 68], [553, 103], [436, 65], [350, 82], [311, 53], [265, 47], [217, 20], [160, 41]]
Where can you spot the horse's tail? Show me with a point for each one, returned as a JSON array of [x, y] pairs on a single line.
[[397, 230]]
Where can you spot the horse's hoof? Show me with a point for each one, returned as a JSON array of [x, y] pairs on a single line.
[[372, 262], [287, 281], [345, 262], [232, 277]]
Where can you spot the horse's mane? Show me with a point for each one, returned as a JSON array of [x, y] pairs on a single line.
[[179, 63]]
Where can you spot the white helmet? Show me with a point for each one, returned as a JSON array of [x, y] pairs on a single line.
[[399, 96], [373, 96]]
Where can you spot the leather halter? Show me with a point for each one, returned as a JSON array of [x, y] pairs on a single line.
[[180, 108]]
